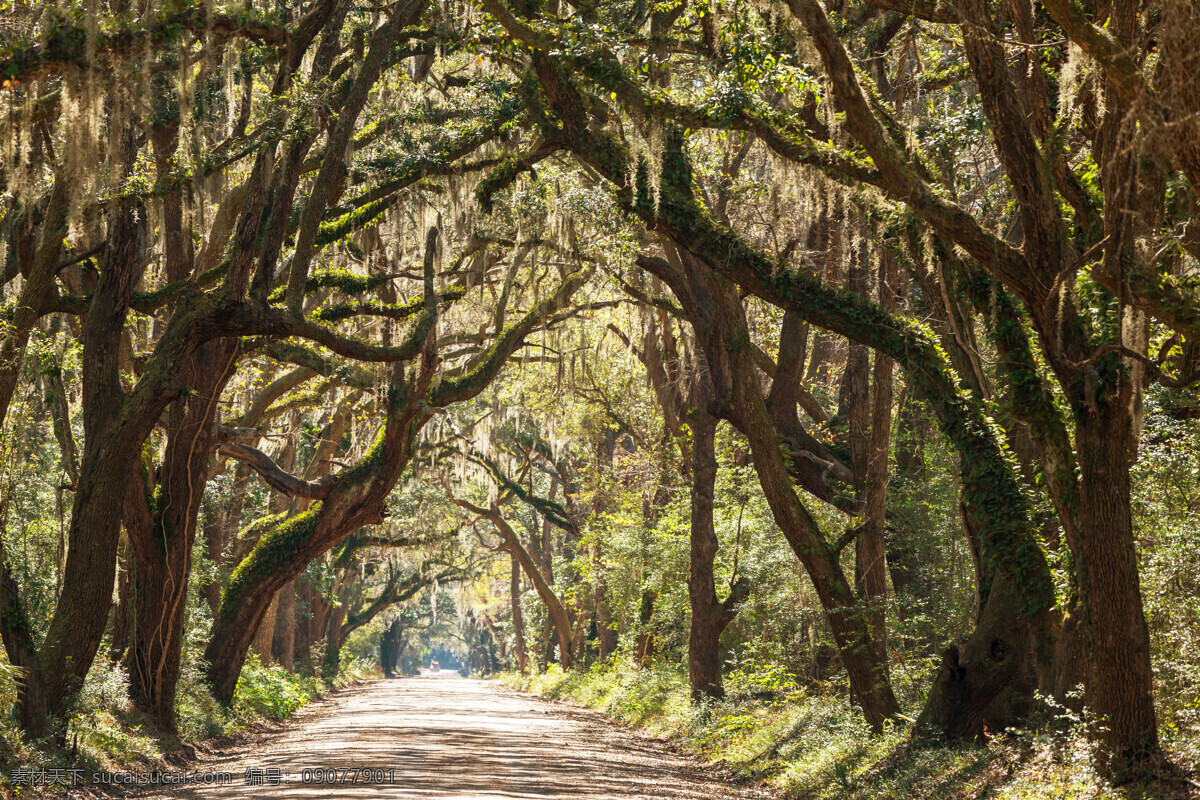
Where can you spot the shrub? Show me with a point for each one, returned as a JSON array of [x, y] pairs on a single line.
[[271, 692]]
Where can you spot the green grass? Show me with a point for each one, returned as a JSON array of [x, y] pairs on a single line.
[[108, 735], [816, 746]]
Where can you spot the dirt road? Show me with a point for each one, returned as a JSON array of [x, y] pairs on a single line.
[[450, 738]]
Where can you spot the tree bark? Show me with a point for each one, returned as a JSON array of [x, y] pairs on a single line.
[[163, 551], [123, 608], [906, 559], [284, 644], [870, 560], [555, 608], [331, 664], [709, 615], [546, 547], [214, 548], [264, 637], [518, 620], [644, 649], [391, 646], [308, 622], [1120, 677]]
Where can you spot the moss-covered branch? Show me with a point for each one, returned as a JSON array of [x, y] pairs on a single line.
[[397, 311], [484, 368]]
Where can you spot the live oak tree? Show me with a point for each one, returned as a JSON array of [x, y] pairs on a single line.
[[211, 301], [1099, 365]]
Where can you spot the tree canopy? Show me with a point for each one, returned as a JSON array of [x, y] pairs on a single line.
[[856, 339]]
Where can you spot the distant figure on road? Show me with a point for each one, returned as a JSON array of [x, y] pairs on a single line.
[[435, 666]]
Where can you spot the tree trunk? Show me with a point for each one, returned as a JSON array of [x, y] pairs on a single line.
[[557, 611], [331, 665], [284, 643], [390, 647], [1120, 678], [306, 623], [156, 644], [264, 637], [907, 566], [518, 620], [644, 649], [999, 658], [123, 608], [60, 413], [387, 645], [163, 552], [870, 561], [214, 547], [709, 615], [606, 633], [546, 548], [543, 638]]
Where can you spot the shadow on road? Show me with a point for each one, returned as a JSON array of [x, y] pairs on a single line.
[[448, 737]]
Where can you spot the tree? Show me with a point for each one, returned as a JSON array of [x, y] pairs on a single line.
[[975, 672]]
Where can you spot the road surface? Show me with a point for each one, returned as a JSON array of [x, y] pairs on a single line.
[[445, 737]]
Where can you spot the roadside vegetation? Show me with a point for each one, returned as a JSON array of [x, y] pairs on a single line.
[[811, 745], [109, 735]]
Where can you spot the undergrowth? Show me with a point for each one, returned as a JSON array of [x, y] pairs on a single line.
[[817, 746], [107, 734]]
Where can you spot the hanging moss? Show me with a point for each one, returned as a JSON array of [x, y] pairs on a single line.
[[992, 492], [64, 43], [369, 465]]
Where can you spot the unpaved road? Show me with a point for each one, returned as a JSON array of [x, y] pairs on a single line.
[[447, 737]]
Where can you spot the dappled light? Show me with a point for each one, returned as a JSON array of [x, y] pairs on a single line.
[[447, 737], [810, 384]]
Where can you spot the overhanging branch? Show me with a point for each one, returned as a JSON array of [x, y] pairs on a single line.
[[274, 475]]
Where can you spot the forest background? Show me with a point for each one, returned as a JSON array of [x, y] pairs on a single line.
[[814, 382]]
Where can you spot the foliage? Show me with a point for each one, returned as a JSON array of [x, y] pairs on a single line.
[[1165, 509], [271, 691], [295, 301], [815, 746]]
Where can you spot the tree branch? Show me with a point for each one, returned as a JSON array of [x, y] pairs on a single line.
[[276, 477]]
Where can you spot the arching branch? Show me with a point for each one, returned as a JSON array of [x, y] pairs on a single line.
[[276, 477]]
